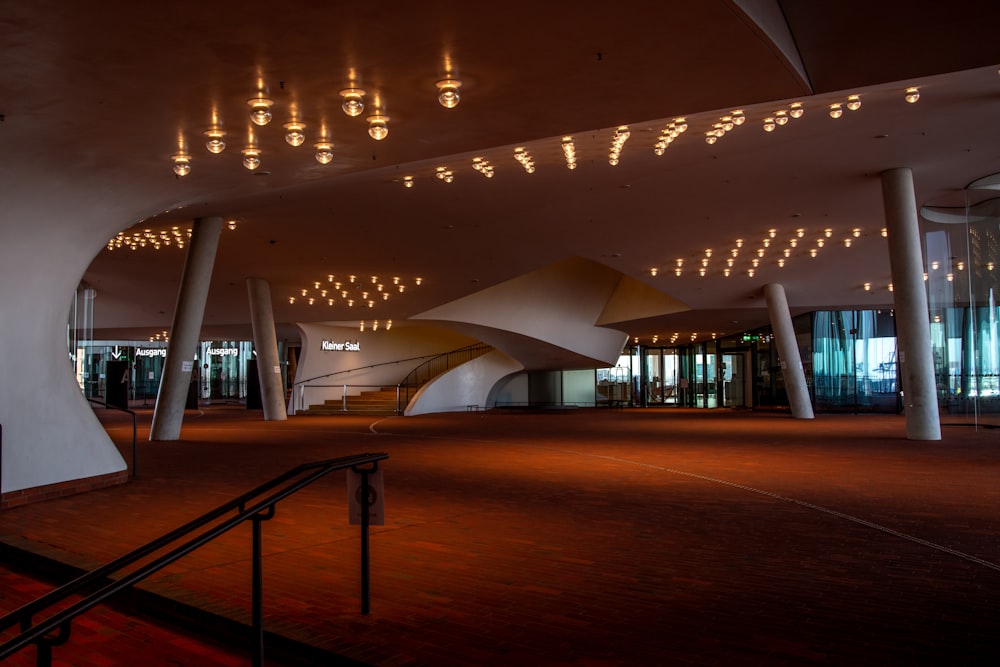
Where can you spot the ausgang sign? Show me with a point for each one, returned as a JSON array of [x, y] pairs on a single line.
[[346, 346]]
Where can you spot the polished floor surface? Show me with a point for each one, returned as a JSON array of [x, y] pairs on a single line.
[[597, 538]]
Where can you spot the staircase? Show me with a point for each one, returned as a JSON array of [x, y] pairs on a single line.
[[377, 402]]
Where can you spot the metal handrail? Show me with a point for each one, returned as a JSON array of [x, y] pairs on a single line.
[[364, 368], [135, 463], [447, 359], [260, 511]]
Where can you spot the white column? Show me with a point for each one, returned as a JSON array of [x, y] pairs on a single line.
[[913, 335], [788, 351], [186, 329], [265, 342]]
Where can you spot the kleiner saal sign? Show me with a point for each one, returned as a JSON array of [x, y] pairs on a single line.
[[346, 346]]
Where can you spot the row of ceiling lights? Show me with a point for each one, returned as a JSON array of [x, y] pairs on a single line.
[[353, 105], [671, 132], [768, 243]]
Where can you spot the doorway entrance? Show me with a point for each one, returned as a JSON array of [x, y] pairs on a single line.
[[734, 382]]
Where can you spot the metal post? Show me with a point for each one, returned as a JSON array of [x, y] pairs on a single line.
[[44, 656], [135, 460], [257, 598], [257, 587], [343, 398], [365, 568]]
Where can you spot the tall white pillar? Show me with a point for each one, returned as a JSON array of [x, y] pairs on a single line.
[[788, 351], [186, 329], [265, 342], [913, 335]]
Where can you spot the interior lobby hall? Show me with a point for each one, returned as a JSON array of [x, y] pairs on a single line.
[[716, 279]]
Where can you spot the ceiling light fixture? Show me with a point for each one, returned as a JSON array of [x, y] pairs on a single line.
[[324, 152], [738, 117], [795, 110], [836, 111], [294, 135], [215, 143], [781, 117], [251, 157], [407, 181], [182, 164], [354, 101], [912, 94], [769, 124], [260, 109], [378, 126], [853, 102], [448, 92]]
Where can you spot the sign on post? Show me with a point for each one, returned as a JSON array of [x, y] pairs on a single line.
[[376, 504]]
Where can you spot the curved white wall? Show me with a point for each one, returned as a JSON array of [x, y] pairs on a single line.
[[384, 359], [557, 317], [467, 385], [50, 433]]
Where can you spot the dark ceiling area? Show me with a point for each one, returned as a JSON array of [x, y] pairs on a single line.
[[111, 92]]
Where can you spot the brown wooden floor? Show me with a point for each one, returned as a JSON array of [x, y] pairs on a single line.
[[635, 537]]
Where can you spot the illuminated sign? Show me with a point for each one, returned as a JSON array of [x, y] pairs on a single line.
[[346, 346], [223, 352], [151, 352]]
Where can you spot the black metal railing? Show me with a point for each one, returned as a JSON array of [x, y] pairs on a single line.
[[135, 462], [299, 397], [55, 630], [433, 367]]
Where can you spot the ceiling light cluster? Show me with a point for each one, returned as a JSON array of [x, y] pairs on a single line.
[[262, 110], [374, 326], [757, 258], [482, 166], [674, 129], [569, 152], [725, 124], [522, 155], [350, 290], [781, 117], [853, 104], [155, 238], [443, 173], [618, 140]]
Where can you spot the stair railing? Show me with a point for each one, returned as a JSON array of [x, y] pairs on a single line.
[[433, 367], [55, 630]]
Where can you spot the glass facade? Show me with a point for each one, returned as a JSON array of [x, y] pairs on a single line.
[[221, 369], [961, 254], [854, 361]]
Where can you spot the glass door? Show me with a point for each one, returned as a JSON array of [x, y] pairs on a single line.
[[734, 377]]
